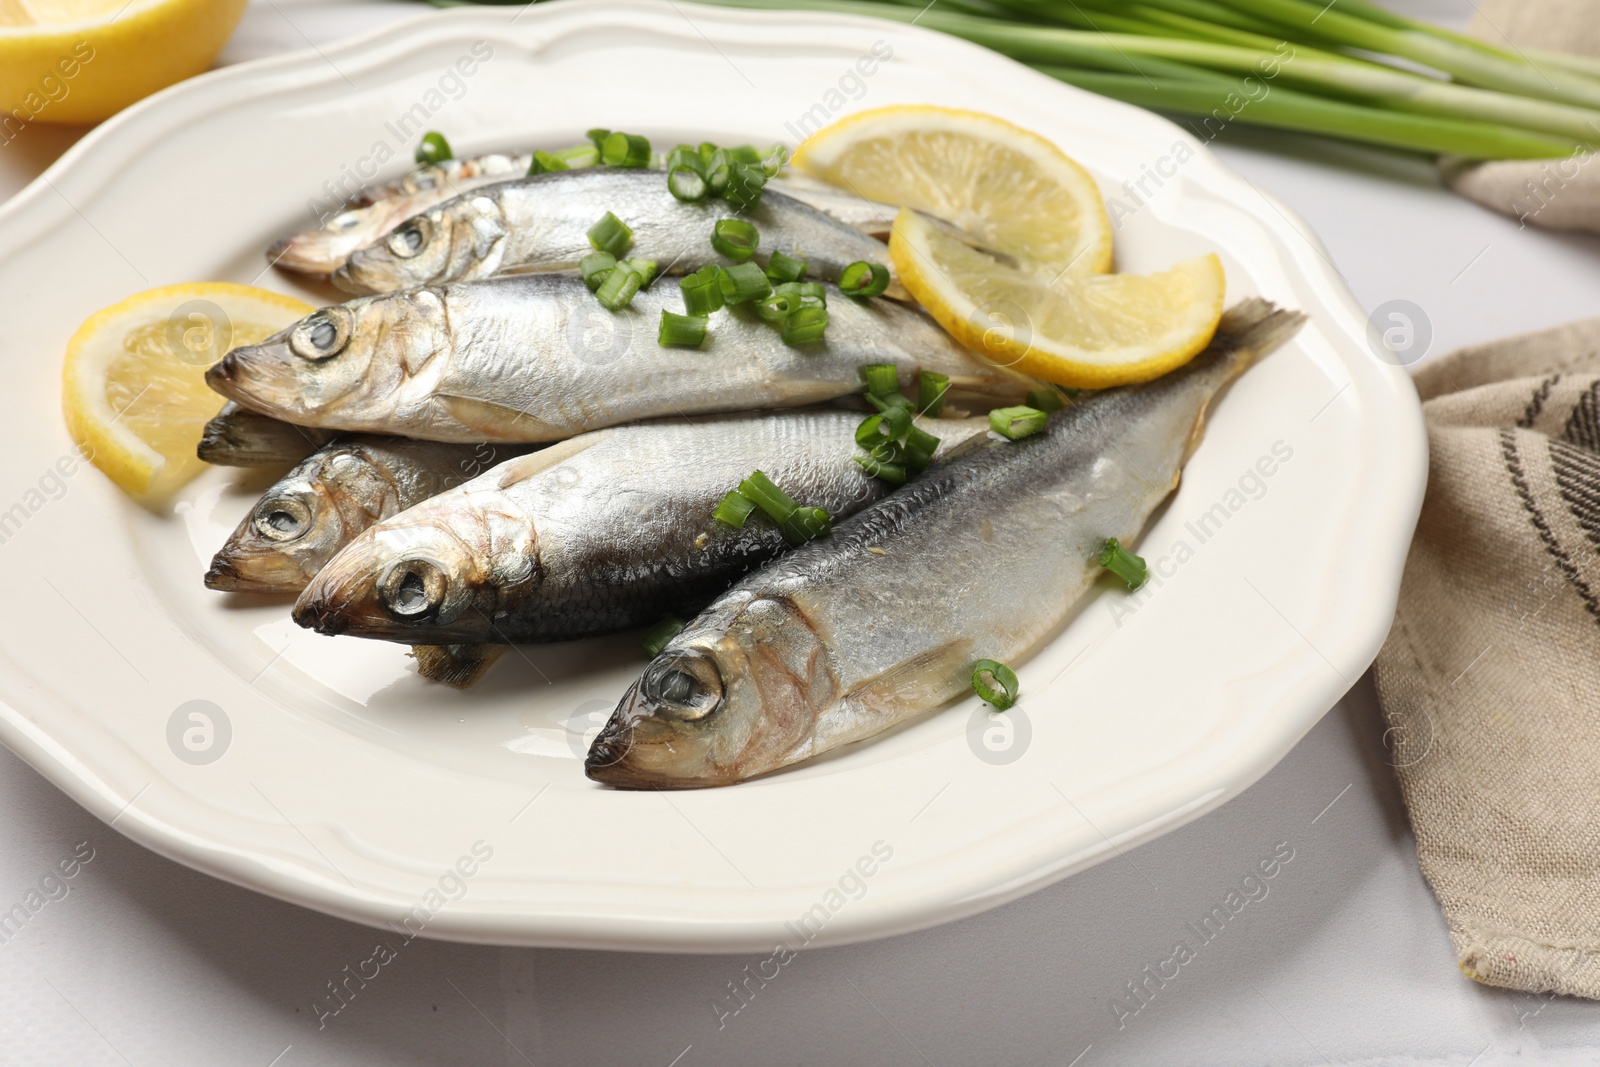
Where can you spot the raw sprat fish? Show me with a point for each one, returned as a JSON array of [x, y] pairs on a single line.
[[542, 223], [980, 558], [372, 215], [239, 437], [605, 532], [332, 496], [536, 358]]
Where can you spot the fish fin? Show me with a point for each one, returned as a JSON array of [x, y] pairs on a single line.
[[499, 422], [1249, 331], [926, 680], [455, 665]]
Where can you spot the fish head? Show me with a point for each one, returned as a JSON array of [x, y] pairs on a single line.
[[341, 357], [301, 522], [435, 574], [461, 238], [291, 532], [325, 250], [734, 695]]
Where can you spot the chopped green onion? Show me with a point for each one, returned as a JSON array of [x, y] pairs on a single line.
[[433, 149], [734, 510], [1046, 400], [686, 330], [686, 174], [595, 266], [1124, 564], [707, 150], [685, 183], [931, 389], [805, 524], [745, 183], [1018, 422], [702, 291], [625, 150], [579, 156], [888, 401], [777, 307], [655, 639], [717, 170], [919, 448], [610, 234], [685, 156], [889, 472], [598, 138], [544, 162], [774, 160], [863, 279], [889, 426], [768, 497], [618, 289], [815, 290], [805, 326], [742, 283], [995, 683], [743, 153], [881, 378], [782, 268], [735, 238], [646, 269]]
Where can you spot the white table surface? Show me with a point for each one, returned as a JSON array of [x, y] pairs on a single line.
[[1345, 962]]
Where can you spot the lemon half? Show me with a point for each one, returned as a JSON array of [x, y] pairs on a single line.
[[133, 389], [1011, 189], [1090, 331], [84, 60]]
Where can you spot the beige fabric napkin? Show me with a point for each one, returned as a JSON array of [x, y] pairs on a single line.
[[1556, 194], [1490, 679]]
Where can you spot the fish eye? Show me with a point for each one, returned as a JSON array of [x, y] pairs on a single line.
[[282, 518], [321, 336], [409, 239], [412, 590], [685, 686]]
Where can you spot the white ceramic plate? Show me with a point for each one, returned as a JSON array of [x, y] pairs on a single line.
[[346, 784]]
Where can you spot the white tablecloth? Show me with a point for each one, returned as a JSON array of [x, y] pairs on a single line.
[[1345, 962]]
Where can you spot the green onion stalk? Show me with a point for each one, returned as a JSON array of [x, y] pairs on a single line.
[[1350, 69]]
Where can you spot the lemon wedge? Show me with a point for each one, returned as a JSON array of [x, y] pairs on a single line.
[[84, 60], [1091, 331], [1011, 189], [134, 390]]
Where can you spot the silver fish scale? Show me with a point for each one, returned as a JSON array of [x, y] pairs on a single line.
[[623, 526], [542, 223], [984, 556], [625, 531], [536, 358], [549, 217]]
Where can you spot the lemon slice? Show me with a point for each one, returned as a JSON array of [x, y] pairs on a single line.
[[134, 390], [1090, 331], [83, 60], [1011, 189]]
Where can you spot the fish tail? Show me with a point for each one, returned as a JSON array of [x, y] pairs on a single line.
[[460, 666], [1252, 329], [1249, 331]]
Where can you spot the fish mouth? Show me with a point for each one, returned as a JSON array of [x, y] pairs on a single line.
[[254, 375], [362, 594], [320, 616], [360, 277], [223, 576], [303, 254], [619, 756], [242, 575]]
